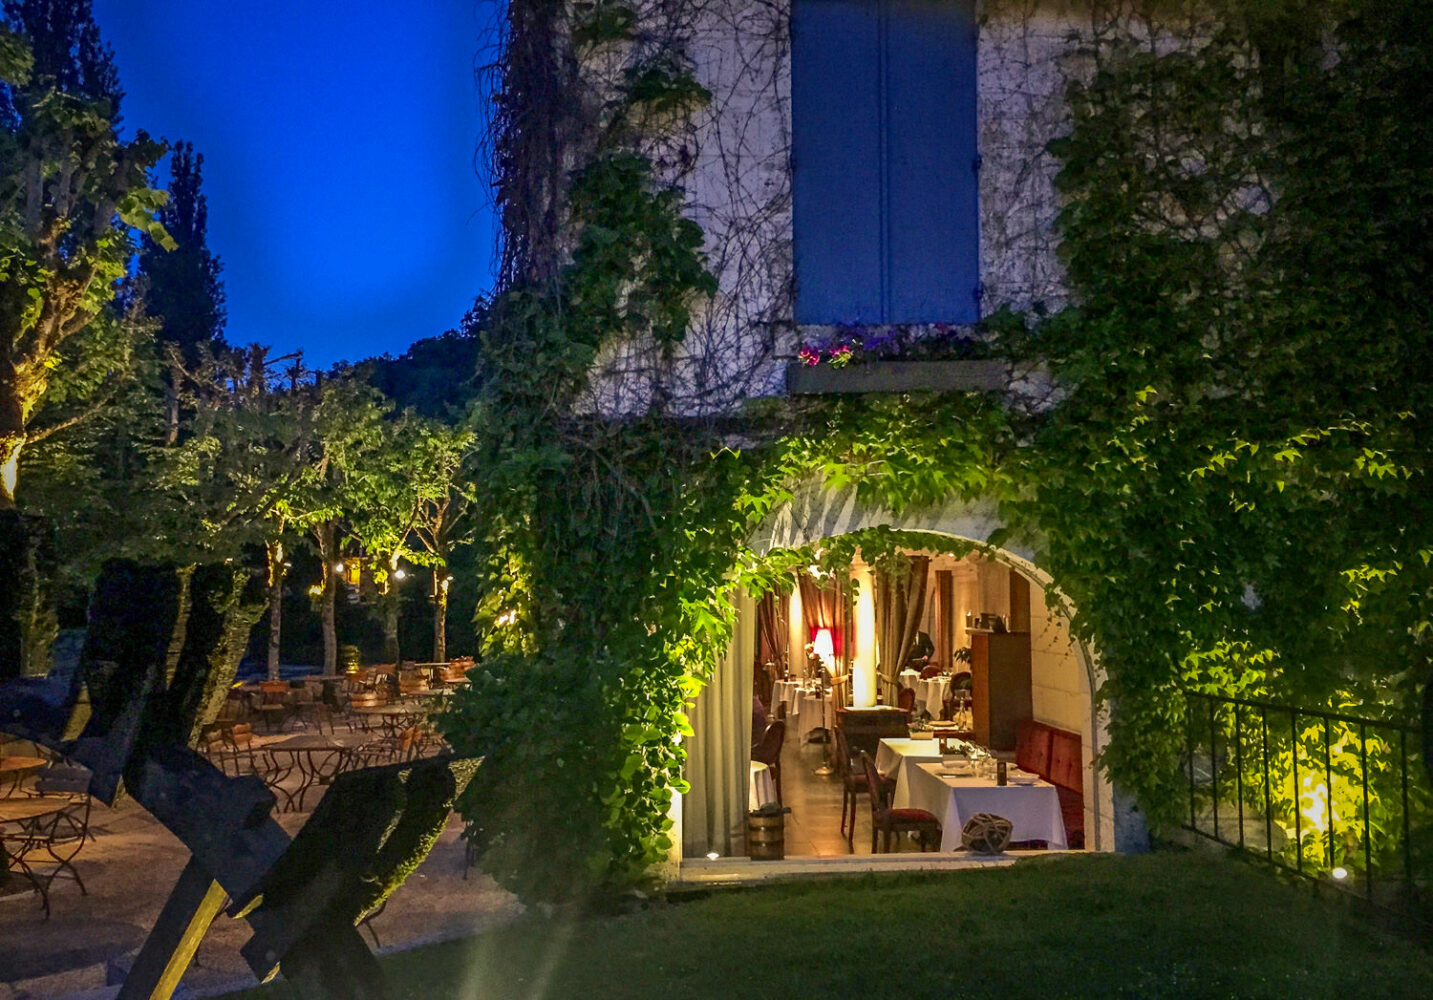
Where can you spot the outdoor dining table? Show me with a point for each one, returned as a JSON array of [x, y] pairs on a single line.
[[19, 818], [1033, 810], [13, 770], [393, 718], [427, 693], [316, 758]]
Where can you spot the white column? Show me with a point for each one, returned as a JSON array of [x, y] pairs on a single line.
[[796, 636], [863, 664]]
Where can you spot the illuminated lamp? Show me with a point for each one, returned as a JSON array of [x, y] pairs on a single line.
[[824, 646]]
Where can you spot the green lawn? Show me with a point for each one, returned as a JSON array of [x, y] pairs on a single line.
[[1161, 925]]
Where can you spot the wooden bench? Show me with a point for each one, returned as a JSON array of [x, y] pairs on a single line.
[[1055, 755]]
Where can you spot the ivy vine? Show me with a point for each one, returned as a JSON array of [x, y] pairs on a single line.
[[1230, 487]]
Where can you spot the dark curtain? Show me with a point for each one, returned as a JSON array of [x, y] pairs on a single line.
[[770, 642], [900, 606], [821, 608], [944, 617]]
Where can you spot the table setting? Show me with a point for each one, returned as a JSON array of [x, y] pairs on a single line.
[[954, 779]]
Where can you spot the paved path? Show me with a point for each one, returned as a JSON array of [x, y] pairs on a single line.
[[132, 866]]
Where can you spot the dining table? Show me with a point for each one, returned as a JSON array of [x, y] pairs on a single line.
[[895, 756], [393, 719], [1033, 808], [930, 693], [808, 708], [315, 757], [761, 791], [14, 769], [20, 818]]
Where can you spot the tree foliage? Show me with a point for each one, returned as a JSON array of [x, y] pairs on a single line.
[[71, 192], [184, 288]]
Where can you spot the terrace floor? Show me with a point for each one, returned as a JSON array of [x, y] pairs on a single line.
[[133, 864]]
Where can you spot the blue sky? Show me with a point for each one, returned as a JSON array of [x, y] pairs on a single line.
[[338, 140]]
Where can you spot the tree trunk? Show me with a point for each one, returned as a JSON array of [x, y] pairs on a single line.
[[225, 604], [390, 625], [10, 445], [14, 554], [275, 551], [440, 614], [14, 416], [328, 556], [36, 615]]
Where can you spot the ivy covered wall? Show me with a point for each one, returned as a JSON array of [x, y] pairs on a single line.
[[1229, 480]]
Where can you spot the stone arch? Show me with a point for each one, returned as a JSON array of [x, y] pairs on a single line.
[[815, 513]]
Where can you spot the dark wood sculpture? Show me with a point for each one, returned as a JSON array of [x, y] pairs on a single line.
[[157, 650]]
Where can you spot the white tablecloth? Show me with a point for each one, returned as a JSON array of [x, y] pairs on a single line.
[[808, 712], [762, 790], [1033, 810], [895, 758], [783, 692], [909, 678], [930, 693]]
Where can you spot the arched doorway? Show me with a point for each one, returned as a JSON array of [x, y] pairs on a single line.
[[1064, 674]]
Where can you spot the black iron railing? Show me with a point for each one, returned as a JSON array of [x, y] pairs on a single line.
[[1335, 798]]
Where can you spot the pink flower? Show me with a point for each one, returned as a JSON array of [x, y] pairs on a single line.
[[809, 355]]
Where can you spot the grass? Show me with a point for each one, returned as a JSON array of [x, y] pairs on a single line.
[[1156, 926]]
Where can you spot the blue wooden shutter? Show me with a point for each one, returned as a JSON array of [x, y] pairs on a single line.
[[933, 241], [886, 198], [836, 129]]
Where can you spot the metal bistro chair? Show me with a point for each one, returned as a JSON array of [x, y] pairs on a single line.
[[45, 847], [236, 755], [275, 702]]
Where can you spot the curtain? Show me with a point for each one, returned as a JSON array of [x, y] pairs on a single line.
[[900, 607], [770, 642], [719, 752], [944, 617], [821, 607]]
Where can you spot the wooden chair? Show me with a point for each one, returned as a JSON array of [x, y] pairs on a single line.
[[365, 699], [887, 820], [768, 751], [853, 782], [389, 749], [238, 756], [906, 700], [931, 670], [275, 703], [308, 708]]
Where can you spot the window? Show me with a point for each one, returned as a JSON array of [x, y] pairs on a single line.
[[883, 136]]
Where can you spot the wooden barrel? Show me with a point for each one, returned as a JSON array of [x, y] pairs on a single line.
[[766, 837]]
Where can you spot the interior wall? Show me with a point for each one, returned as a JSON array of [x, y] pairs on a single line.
[[1057, 684], [1061, 697]]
